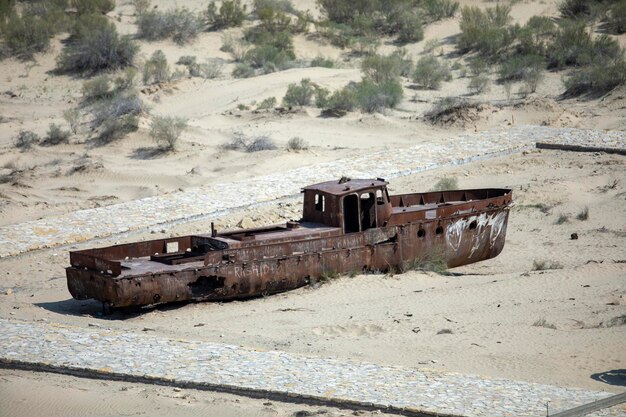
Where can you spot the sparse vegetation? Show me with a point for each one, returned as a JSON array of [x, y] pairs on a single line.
[[55, 136], [374, 97], [26, 139], [479, 84], [180, 24], [430, 72], [117, 116], [166, 131], [543, 323], [230, 14], [322, 62], [156, 70], [563, 218], [243, 70], [239, 142], [297, 144], [543, 265], [446, 183], [268, 103], [445, 331], [96, 46], [97, 88]]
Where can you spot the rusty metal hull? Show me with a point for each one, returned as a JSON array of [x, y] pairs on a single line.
[[262, 261]]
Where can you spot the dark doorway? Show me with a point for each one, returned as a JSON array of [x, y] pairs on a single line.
[[351, 213]]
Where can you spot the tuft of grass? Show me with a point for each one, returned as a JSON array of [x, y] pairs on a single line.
[[328, 275], [445, 331], [544, 265], [563, 218], [445, 184], [583, 214], [543, 323], [166, 131], [432, 260]]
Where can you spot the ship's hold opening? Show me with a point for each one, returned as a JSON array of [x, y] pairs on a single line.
[[205, 285]]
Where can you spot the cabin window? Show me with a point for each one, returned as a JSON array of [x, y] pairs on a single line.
[[320, 202], [421, 233], [439, 230], [379, 197]]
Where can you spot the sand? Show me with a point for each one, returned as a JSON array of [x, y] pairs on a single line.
[[505, 319]]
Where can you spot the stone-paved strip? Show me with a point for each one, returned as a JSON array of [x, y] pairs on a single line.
[[217, 199], [151, 358]]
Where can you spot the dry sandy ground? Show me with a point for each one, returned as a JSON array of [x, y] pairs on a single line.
[[490, 307]]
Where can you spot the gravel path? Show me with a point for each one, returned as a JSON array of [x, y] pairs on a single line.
[[144, 357]]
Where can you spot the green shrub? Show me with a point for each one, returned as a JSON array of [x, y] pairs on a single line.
[[344, 99], [182, 25], [430, 72], [55, 135], [243, 70], [572, 45], [343, 11], [485, 31], [26, 35], [375, 97], [93, 6], [156, 70], [441, 9], [268, 103], [272, 50], [207, 70], [534, 35], [97, 49], [187, 60], [284, 6], [166, 130], [574, 9], [597, 78], [25, 139], [520, 67], [409, 27], [299, 95], [322, 62], [379, 68], [231, 14]]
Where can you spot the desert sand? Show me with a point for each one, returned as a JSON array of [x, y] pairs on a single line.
[[507, 317]]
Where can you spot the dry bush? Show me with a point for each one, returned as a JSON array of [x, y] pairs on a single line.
[[25, 139], [297, 144], [430, 72], [180, 24], [563, 218], [156, 70], [239, 142], [268, 103], [55, 136], [479, 84], [299, 95], [230, 14], [583, 214], [166, 131]]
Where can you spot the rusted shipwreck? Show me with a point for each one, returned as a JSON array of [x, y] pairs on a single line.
[[347, 225]]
